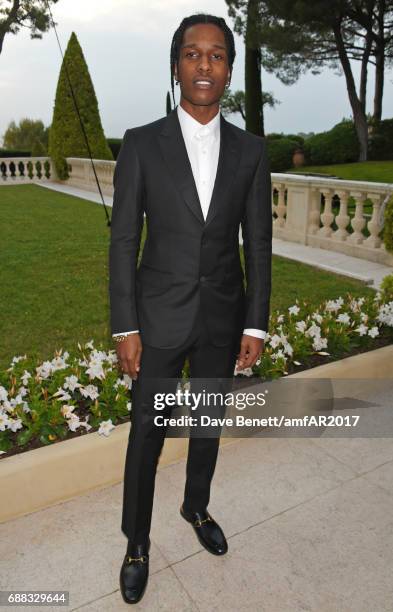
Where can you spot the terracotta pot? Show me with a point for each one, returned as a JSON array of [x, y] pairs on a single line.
[[298, 158]]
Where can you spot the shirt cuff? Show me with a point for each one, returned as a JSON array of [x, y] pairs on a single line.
[[134, 331], [257, 333]]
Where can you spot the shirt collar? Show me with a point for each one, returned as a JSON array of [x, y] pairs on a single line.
[[192, 128]]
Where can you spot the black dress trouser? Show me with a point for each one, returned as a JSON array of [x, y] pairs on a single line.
[[146, 439]]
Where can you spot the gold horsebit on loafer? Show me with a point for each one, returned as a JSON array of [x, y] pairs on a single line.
[[143, 558], [198, 522]]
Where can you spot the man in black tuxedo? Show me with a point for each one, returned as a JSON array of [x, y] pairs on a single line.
[[197, 178]]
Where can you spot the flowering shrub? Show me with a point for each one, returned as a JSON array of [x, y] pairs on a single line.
[[65, 394], [335, 328], [46, 402]]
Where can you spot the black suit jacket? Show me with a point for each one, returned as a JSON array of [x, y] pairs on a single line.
[[188, 262]]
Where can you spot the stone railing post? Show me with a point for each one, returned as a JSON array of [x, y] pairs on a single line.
[[358, 221], [373, 225], [327, 217], [280, 208], [342, 218], [298, 210]]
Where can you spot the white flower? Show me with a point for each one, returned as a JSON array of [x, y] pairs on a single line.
[[247, 372], [15, 424], [3, 394], [59, 363], [95, 370], [288, 348], [85, 424], [280, 318], [343, 318], [112, 357], [4, 421], [17, 400], [106, 427], [330, 306], [319, 343], [95, 366], [73, 422], [363, 317], [25, 377], [7, 406], [294, 309], [17, 359], [317, 317], [353, 306], [44, 370], [63, 395], [373, 332], [71, 382], [385, 314], [126, 381], [22, 391], [275, 341], [278, 354], [120, 382], [66, 410], [89, 391], [362, 329], [301, 326], [313, 331], [334, 305], [128, 406], [90, 344]]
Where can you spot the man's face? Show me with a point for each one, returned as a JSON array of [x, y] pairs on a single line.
[[203, 57]]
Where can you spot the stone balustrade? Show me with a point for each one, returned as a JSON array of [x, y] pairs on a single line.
[[26, 170], [334, 214]]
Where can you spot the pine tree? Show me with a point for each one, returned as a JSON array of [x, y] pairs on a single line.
[[65, 136]]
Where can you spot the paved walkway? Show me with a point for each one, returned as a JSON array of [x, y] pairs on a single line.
[[367, 271], [309, 525]]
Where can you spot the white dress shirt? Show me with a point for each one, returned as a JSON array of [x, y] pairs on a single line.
[[203, 147]]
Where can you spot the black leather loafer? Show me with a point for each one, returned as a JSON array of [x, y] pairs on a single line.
[[134, 573], [208, 532]]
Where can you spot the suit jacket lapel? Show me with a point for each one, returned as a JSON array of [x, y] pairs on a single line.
[[174, 151]]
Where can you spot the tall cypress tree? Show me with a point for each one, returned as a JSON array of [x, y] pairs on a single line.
[[65, 135]]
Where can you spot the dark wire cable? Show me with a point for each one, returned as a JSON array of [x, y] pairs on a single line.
[[79, 116]]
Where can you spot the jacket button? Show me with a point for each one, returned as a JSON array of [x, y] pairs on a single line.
[[202, 279]]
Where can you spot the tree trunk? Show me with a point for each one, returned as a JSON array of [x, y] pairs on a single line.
[[363, 71], [379, 62], [253, 86], [359, 116]]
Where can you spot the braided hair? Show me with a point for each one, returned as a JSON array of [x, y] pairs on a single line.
[[192, 20]]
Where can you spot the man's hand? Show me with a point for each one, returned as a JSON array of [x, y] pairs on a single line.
[[251, 349], [129, 353]]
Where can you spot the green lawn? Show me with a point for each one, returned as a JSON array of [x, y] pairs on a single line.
[[376, 171], [55, 274]]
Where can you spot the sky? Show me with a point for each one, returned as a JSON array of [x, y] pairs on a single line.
[[126, 44]]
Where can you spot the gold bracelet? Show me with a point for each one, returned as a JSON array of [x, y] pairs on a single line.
[[121, 338]]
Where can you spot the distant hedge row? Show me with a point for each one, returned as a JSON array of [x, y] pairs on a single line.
[[14, 153], [336, 146]]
